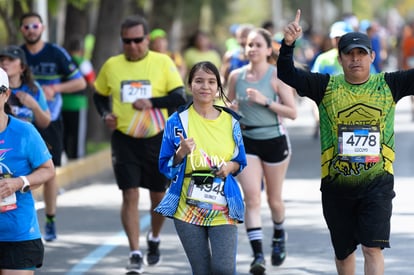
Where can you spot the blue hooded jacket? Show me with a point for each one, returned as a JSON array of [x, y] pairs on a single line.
[[178, 122]]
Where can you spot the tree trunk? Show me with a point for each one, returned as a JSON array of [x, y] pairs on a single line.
[[76, 25], [107, 44], [11, 21]]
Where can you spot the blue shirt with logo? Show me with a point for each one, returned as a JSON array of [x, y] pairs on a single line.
[[22, 150], [52, 65]]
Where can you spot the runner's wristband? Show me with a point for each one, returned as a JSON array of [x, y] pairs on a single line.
[[104, 115]]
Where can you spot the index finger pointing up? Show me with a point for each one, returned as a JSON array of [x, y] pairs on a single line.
[[297, 18], [181, 137]]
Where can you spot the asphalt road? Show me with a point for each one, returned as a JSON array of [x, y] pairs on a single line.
[[91, 239]]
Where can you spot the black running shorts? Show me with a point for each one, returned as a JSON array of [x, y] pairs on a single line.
[[53, 136], [354, 221], [135, 162], [272, 150], [24, 255]]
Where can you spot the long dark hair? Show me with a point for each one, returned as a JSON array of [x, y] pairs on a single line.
[[28, 78], [7, 109], [209, 67]]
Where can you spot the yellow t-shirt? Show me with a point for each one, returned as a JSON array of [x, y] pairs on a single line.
[[193, 56], [126, 81], [213, 138]]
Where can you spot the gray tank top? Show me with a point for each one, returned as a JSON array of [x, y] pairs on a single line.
[[258, 121]]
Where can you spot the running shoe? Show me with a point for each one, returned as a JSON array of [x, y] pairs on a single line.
[[279, 250], [135, 264], [258, 266], [50, 231], [153, 252]]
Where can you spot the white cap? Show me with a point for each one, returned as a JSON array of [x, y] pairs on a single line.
[[339, 28], [4, 79]]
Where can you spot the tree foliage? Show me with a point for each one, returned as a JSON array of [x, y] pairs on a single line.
[[180, 18]]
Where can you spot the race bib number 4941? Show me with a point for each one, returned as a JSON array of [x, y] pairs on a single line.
[[360, 143], [133, 90]]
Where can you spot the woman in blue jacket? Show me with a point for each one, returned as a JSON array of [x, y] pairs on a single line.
[[202, 151]]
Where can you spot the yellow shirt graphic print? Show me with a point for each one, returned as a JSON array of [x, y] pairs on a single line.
[[213, 138], [146, 123]]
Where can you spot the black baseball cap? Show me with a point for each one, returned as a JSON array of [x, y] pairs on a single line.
[[14, 52], [353, 40]]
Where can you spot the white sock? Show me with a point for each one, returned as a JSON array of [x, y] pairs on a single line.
[[151, 238], [135, 252]]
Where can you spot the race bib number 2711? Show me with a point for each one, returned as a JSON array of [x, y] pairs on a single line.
[[133, 90]]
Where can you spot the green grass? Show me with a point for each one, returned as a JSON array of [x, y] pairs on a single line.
[[93, 147]]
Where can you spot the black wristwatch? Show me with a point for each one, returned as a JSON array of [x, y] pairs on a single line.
[[268, 102]]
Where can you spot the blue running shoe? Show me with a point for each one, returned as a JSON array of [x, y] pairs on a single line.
[[50, 231], [279, 250], [258, 266]]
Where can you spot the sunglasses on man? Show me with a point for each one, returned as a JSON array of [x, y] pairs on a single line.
[[136, 40], [33, 26]]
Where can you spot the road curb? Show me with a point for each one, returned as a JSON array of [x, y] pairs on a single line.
[[78, 170]]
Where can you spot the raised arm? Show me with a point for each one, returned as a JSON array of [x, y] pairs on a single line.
[[293, 30], [308, 84]]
